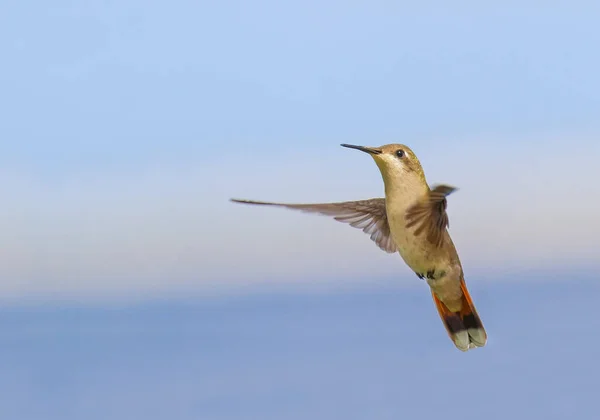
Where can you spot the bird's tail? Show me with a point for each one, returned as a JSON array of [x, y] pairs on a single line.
[[464, 327]]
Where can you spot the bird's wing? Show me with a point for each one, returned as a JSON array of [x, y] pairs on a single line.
[[429, 214], [368, 215]]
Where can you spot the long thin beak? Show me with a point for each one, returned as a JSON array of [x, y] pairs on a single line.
[[369, 150]]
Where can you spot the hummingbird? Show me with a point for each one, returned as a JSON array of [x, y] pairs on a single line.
[[411, 219]]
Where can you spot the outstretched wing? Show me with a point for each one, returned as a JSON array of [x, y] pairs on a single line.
[[429, 214], [368, 215]]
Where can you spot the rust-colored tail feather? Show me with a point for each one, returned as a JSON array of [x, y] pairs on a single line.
[[464, 327]]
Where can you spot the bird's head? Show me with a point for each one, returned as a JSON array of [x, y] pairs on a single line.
[[397, 163]]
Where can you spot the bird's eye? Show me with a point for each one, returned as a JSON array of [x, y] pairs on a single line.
[[400, 153]]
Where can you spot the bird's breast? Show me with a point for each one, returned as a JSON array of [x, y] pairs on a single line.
[[416, 251]]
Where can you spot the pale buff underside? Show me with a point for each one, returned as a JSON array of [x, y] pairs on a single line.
[[422, 256]]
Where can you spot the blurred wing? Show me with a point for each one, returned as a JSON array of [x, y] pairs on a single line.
[[429, 214], [368, 215]]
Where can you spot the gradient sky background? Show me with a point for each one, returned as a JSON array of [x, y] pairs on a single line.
[[127, 125]]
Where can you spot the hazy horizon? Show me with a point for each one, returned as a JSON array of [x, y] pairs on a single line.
[[377, 352]]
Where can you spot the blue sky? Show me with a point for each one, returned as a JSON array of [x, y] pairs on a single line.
[[128, 125], [130, 286]]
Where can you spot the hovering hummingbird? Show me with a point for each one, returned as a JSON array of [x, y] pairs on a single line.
[[412, 221]]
